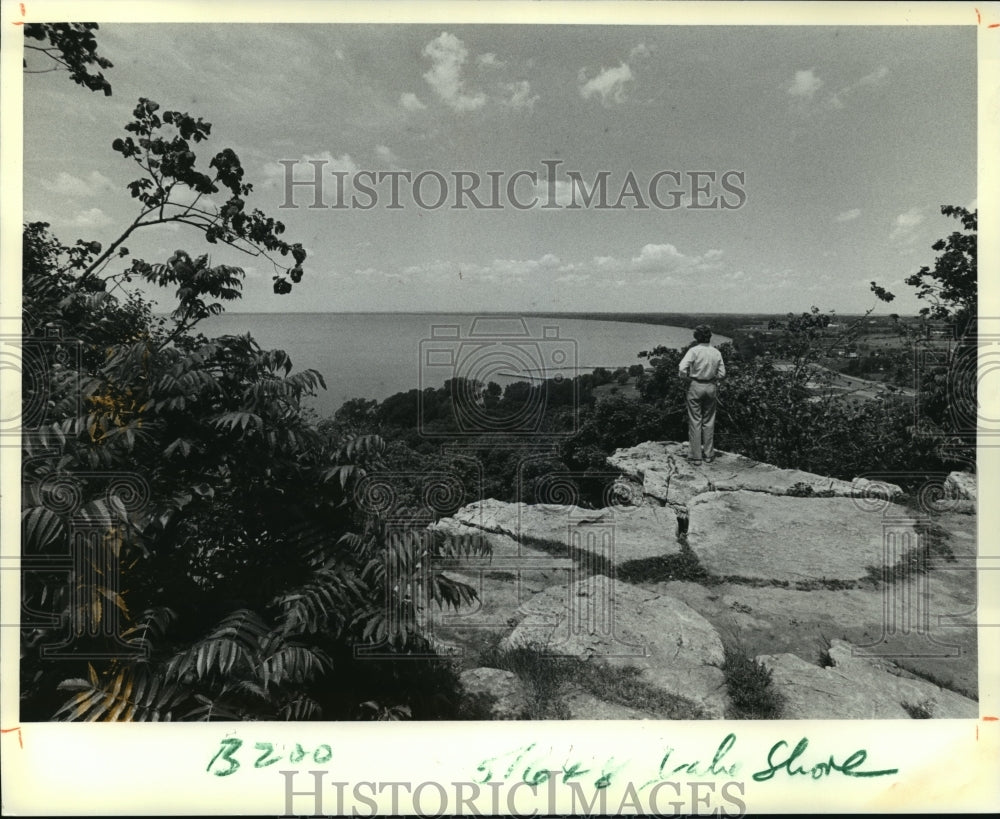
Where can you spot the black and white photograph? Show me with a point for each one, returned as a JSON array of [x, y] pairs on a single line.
[[532, 377]]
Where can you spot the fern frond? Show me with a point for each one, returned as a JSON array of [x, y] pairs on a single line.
[[41, 527], [235, 641], [132, 695], [208, 710], [319, 605], [301, 708], [293, 664]]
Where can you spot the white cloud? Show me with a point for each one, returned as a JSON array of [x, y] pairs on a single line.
[[36, 216], [609, 84], [448, 54], [302, 170], [910, 219], [490, 59], [386, 155], [411, 102], [91, 218], [337, 163], [874, 78], [658, 264], [65, 184], [517, 270], [641, 50], [905, 224], [572, 278], [182, 195], [653, 256], [654, 265], [805, 84], [666, 257], [849, 215], [562, 189], [519, 95]]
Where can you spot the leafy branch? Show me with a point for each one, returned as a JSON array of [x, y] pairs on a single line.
[[172, 189], [72, 47]]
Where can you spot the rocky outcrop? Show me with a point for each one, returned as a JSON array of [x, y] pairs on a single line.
[[960, 486], [504, 693], [790, 539], [859, 688], [667, 477], [584, 705], [603, 620], [616, 534], [777, 559]]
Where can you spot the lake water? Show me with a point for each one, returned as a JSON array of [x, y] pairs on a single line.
[[374, 355]]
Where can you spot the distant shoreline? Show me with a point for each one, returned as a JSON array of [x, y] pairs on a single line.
[[651, 318]]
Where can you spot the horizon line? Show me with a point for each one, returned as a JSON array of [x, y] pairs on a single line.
[[522, 313]]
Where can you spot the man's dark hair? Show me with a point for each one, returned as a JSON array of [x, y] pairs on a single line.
[[702, 333]]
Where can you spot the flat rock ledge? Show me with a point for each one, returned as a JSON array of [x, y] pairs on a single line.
[[788, 539], [616, 535], [667, 478], [856, 687], [677, 650]]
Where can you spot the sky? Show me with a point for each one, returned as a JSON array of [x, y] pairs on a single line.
[[840, 144]]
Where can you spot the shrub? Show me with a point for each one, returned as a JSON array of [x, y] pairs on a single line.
[[749, 685]]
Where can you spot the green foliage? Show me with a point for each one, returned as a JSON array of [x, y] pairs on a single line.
[[750, 687], [947, 388], [923, 709], [230, 518], [786, 418], [547, 677], [951, 285], [71, 47], [171, 189], [617, 422], [250, 521], [544, 677]]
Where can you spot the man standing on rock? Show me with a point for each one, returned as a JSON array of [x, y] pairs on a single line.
[[703, 365]]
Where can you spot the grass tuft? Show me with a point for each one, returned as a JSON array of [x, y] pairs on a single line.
[[825, 659], [920, 710], [546, 677], [748, 682]]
